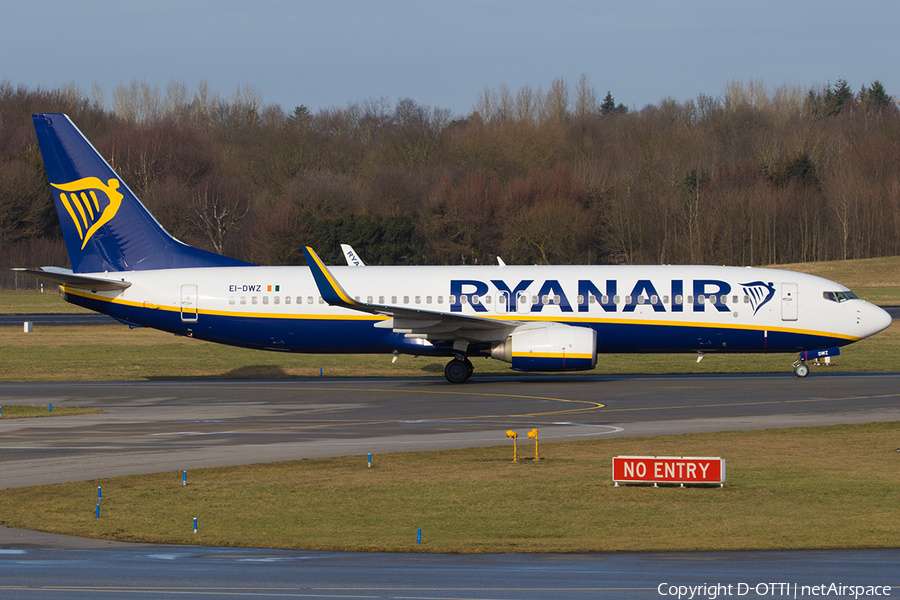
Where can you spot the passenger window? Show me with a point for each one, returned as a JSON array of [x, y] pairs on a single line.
[[451, 299], [427, 299], [321, 300], [231, 300], [616, 300], [440, 300], [253, 300], [369, 299], [679, 299], [380, 299], [265, 299], [287, 299], [309, 300], [243, 299], [405, 299]]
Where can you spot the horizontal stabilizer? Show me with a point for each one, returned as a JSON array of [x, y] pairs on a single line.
[[60, 276]]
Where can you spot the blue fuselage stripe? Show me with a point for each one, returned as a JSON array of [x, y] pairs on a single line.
[[319, 335]]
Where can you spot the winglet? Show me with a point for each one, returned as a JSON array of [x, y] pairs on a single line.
[[329, 288]]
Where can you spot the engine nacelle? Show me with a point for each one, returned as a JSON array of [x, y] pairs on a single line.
[[549, 347]]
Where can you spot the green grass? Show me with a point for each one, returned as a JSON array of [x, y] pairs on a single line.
[[862, 273], [824, 487], [874, 279], [821, 487], [114, 352], [117, 353], [13, 411], [31, 301]]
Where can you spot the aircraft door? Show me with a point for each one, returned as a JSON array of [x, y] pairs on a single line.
[[189, 303], [789, 301]]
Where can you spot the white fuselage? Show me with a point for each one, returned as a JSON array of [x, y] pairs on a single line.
[[632, 308]]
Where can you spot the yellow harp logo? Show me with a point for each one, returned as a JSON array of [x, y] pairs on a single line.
[[89, 213]]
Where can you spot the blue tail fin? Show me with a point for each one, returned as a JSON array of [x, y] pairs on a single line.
[[105, 226]]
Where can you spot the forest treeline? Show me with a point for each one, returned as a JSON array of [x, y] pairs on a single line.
[[558, 176]]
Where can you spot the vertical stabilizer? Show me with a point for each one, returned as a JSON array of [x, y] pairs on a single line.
[[105, 226]]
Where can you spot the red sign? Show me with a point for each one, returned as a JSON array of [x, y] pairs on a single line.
[[668, 469]]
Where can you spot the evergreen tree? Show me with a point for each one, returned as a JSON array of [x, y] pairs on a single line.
[[610, 107], [838, 97], [875, 98]]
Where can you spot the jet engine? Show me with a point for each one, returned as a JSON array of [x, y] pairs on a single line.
[[549, 347]]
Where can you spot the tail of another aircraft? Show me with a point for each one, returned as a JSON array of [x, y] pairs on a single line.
[[105, 226]]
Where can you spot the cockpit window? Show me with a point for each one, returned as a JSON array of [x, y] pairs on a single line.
[[840, 296]]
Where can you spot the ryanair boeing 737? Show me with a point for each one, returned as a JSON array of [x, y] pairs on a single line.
[[537, 318]]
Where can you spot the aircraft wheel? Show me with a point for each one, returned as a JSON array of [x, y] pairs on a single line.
[[457, 371], [801, 370]]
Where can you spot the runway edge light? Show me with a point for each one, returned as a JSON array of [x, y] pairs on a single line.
[[533, 435], [512, 434]]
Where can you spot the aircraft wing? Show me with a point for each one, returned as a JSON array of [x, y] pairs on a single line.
[[408, 320], [61, 276]]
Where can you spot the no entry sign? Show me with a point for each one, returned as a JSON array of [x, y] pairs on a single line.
[[668, 469]]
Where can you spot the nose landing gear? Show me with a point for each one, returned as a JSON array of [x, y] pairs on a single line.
[[801, 369]]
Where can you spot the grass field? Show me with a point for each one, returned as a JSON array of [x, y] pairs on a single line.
[[114, 353], [823, 487], [13, 411], [820, 487], [117, 353]]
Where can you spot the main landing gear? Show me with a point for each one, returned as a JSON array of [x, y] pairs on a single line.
[[458, 370]]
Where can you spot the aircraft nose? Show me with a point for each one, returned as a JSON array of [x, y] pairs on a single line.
[[877, 319]]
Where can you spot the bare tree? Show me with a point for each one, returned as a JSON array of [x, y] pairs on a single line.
[[586, 102], [215, 209]]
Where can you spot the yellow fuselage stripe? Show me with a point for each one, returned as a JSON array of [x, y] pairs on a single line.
[[521, 318]]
